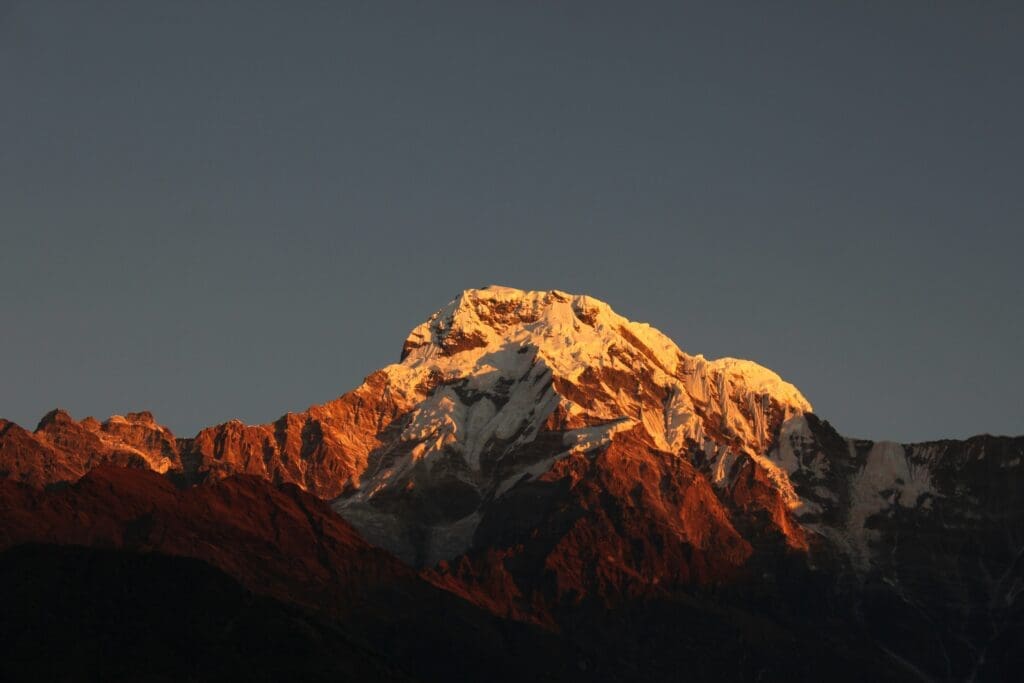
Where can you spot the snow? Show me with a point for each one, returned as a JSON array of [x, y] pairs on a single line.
[[527, 473], [724, 461], [569, 334], [887, 468], [507, 319], [681, 421], [887, 479], [114, 441], [780, 480], [793, 435], [591, 438], [759, 380]]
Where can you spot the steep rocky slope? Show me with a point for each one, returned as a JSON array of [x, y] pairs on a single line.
[[62, 449]]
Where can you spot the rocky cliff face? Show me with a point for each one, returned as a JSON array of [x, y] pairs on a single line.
[[535, 451], [62, 449]]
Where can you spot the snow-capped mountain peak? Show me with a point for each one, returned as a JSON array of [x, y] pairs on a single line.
[[500, 384], [571, 329], [603, 367]]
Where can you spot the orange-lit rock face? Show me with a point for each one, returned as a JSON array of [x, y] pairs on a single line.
[[625, 523], [324, 449], [62, 449]]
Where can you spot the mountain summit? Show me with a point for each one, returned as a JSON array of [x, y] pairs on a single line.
[[581, 341]]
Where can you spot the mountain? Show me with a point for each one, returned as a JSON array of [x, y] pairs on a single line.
[[544, 458]]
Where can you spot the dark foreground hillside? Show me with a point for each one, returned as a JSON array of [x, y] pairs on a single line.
[[73, 613]]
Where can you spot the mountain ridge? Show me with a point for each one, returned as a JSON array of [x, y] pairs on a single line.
[[538, 455]]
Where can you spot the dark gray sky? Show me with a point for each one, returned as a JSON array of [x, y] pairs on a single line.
[[217, 210]]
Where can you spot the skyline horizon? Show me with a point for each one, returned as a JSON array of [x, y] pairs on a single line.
[[194, 431]]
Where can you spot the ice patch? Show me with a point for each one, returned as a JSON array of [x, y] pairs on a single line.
[[590, 438], [888, 478]]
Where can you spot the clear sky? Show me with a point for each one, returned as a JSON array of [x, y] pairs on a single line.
[[215, 210]]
